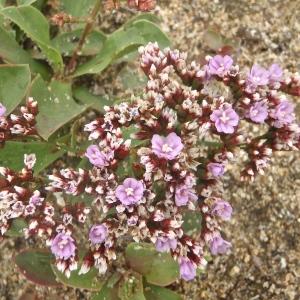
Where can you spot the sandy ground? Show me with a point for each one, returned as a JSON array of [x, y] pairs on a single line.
[[264, 262]]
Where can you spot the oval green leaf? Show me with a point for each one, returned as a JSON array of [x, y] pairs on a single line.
[[158, 268], [35, 265], [154, 292]]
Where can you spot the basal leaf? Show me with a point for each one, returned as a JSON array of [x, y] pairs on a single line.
[[107, 293], [158, 268], [46, 153], [84, 96], [36, 26], [25, 2], [16, 228], [56, 105], [122, 42], [154, 292], [14, 83], [67, 42], [131, 288], [11, 52], [88, 281], [35, 265], [77, 8]]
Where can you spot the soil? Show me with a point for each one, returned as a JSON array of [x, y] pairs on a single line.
[[265, 230]]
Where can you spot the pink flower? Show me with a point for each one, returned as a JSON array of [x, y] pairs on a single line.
[[275, 73], [216, 169], [220, 65], [222, 209], [283, 114], [183, 194], [164, 244], [218, 245], [258, 112], [98, 158], [2, 110], [225, 118], [63, 246], [130, 192], [98, 234], [142, 5], [257, 76], [187, 269], [166, 147]]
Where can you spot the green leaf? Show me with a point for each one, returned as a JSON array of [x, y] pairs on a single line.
[[144, 16], [56, 105], [14, 83], [86, 281], [122, 42], [46, 153], [25, 2], [16, 228], [107, 293], [84, 96], [77, 8], [153, 292], [192, 222], [35, 265], [131, 288], [158, 268], [67, 42], [11, 52], [36, 26]]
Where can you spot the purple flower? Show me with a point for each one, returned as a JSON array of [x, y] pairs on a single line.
[[222, 209], [225, 118], [130, 192], [275, 73], [283, 113], [63, 246], [164, 244], [257, 76], [187, 269], [216, 169], [183, 194], [218, 245], [166, 147], [258, 112], [98, 158], [220, 65], [98, 234], [2, 110]]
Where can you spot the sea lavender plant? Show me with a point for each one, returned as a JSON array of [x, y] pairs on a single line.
[[183, 135]]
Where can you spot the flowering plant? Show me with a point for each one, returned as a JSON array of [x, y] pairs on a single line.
[[150, 185]]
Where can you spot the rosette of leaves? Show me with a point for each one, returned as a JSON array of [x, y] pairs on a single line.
[[35, 56]]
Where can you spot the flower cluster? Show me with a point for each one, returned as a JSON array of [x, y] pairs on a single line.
[[22, 124], [141, 5], [159, 156]]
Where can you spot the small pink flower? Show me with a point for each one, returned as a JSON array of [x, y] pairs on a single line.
[[130, 192], [222, 209], [98, 158], [220, 65], [98, 234], [225, 118], [164, 244], [258, 112], [257, 76], [218, 245], [275, 73], [142, 5], [2, 110], [283, 114], [187, 268], [216, 169], [63, 246], [183, 194], [166, 147]]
